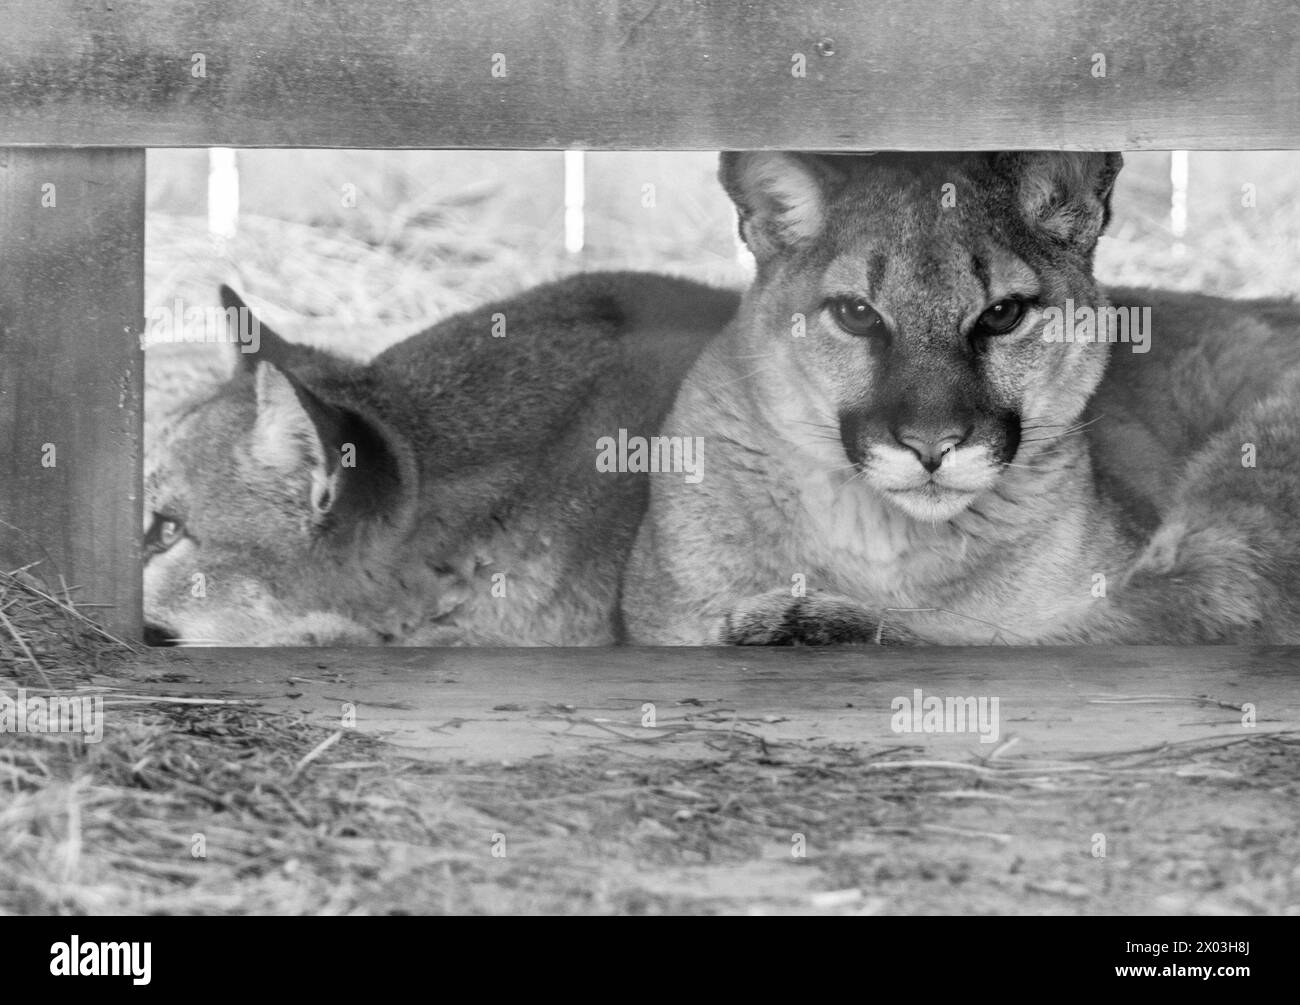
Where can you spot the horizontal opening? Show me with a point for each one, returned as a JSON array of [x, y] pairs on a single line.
[[404, 432]]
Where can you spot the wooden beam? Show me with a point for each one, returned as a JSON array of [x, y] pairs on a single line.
[[486, 705], [852, 74], [71, 310]]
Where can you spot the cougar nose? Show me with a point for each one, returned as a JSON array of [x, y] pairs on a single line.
[[931, 449]]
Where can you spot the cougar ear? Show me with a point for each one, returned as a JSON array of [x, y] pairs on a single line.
[[355, 466], [1065, 194], [780, 197], [293, 433]]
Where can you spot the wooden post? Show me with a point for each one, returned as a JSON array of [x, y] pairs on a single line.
[[71, 311]]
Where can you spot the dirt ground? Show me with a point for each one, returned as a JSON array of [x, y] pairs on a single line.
[[1122, 782]]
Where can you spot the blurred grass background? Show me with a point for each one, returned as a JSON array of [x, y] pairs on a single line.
[[428, 233]]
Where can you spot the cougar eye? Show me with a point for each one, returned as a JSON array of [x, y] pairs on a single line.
[[164, 531], [1000, 318], [857, 317]]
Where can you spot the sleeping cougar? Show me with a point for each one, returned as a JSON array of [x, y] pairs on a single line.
[[443, 494]]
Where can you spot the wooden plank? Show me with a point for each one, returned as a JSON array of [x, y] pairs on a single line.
[[71, 310], [923, 74], [486, 705]]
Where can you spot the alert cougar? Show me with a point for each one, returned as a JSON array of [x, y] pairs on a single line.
[[928, 424]]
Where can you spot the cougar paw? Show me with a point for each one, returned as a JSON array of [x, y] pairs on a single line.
[[778, 619]]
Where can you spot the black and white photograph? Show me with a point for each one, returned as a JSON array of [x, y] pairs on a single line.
[[658, 457]]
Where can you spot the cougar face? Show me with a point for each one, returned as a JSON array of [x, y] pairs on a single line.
[[242, 535], [908, 335], [253, 512]]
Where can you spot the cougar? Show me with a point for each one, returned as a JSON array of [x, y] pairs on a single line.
[[446, 493], [928, 424]]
